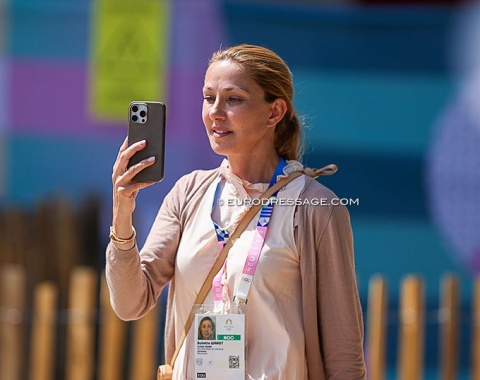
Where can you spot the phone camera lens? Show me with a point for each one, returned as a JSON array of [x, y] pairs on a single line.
[[143, 113], [134, 108], [134, 117]]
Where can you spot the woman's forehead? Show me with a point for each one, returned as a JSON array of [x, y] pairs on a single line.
[[229, 76], [226, 69]]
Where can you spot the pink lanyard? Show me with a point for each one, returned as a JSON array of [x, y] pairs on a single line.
[[253, 255]]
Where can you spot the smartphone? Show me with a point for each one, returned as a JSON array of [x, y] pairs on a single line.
[[146, 121]]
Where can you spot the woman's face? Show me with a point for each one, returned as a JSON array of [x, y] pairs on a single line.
[[206, 329], [237, 118]]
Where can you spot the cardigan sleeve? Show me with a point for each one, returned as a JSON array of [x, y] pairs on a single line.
[[136, 277], [332, 311], [340, 322]]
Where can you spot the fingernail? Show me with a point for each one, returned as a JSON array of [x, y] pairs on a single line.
[[150, 159]]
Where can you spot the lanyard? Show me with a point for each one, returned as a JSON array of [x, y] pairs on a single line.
[[253, 253]]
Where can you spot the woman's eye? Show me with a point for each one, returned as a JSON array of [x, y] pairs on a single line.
[[209, 99], [234, 99]]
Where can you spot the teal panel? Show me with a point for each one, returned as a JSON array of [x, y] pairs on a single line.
[[4, 26], [360, 111], [388, 185], [369, 38], [49, 29], [397, 247], [42, 167]]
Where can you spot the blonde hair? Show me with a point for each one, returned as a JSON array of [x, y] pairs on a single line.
[[272, 74]]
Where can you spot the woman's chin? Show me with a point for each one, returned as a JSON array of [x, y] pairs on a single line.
[[220, 150]]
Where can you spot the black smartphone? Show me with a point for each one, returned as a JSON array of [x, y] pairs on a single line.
[[146, 121]]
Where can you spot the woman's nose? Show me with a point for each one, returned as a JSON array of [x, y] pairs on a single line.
[[217, 111]]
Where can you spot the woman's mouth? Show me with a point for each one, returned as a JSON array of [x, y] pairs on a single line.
[[220, 132]]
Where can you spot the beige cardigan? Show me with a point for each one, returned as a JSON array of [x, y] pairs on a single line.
[[331, 308]]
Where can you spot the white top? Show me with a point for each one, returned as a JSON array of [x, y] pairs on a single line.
[[274, 329]]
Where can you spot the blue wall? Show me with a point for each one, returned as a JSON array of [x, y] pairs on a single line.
[[371, 83]]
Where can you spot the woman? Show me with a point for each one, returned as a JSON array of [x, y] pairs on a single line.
[[304, 286], [206, 329]]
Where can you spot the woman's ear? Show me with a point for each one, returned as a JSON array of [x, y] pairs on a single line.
[[278, 110]]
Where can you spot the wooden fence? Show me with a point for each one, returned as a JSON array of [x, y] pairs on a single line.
[[56, 321], [411, 329], [96, 340], [100, 346]]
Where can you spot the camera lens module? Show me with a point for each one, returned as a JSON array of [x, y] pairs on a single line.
[[139, 113]]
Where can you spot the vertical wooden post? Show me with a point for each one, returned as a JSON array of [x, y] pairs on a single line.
[[449, 319], [4, 248], [412, 329], [81, 324], [66, 242], [377, 327], [44, 265], [143, 359], [12, 322], [112, 339], [475, 360], [15, 228], [42, 349]]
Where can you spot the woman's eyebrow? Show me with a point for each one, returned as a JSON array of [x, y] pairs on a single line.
[[227, 89]]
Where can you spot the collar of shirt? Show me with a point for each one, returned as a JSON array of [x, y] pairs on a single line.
[[249, 190]]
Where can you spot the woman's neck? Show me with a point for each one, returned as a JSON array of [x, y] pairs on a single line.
[[254, 169]]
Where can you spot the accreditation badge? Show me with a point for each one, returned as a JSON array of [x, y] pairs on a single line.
[[220, 346]]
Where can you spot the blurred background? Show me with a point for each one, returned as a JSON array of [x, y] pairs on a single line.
[[389, 91]]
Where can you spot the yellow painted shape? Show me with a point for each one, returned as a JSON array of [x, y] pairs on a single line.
[[128, 56]]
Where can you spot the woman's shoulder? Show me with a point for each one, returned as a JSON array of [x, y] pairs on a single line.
[[314, 189], [191, 187], [195, 180], [321, 203], [188, 190]]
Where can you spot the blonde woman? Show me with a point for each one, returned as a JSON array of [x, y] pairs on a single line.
[[303, 319]]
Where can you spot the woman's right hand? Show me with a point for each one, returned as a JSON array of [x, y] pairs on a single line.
[[125, 190]]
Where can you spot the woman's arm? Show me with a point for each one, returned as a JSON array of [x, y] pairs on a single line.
[[332, 312], [339, 310], [134, 283]]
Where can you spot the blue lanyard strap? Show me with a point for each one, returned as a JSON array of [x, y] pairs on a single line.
[[265, 213], [278, 171], [222, 235], [253, 253]]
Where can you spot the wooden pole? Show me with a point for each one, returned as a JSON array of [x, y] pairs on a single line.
[[449, 319], [81, 324], [475, 360], [4, 246], [42, 358], [12, 322], [144, 346], [412, 328], [13, 231], [112, 339], [377, 328], [66, 242]]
